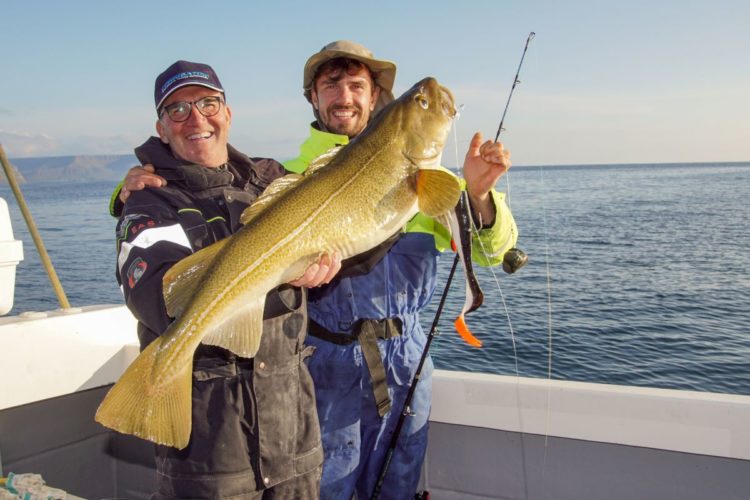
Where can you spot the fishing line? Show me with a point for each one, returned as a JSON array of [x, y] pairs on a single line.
[[475, 233], [549, 322], [459, 165], [519, 413], [502, 300], [500, 128], [520, 259], [513, 260]]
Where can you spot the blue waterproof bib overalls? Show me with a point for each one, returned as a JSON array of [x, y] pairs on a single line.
[[355, 436]]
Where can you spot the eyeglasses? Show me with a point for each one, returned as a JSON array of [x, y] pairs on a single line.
[[180, 111]]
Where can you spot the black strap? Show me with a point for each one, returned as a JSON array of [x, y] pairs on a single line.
[[384, 330], [320, 332], [367, 332], [369, 343]]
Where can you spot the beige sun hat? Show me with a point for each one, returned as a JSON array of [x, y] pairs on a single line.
[[383, 70]]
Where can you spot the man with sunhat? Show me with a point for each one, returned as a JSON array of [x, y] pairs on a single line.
[[365, 324], [251, 436]]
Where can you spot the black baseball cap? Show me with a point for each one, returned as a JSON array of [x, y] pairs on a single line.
[[181, 74]]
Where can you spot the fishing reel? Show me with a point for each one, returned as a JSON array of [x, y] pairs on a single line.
[[514, 259]]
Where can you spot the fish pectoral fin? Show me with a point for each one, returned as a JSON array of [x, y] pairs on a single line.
[[181, 281], [437, 191], [271, 193], [159, 413], [240, 332]]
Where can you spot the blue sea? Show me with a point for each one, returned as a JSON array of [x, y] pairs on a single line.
[[638, 274]]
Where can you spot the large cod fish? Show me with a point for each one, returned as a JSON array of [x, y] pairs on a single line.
[[348, 201]]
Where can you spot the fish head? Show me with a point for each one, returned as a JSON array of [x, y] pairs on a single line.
[[417, 122], [428, 113]]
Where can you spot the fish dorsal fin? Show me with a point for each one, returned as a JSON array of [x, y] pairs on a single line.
[[280, 185], [322, 160], [240, 331], [437, 191], [271, 193], [182, 279]]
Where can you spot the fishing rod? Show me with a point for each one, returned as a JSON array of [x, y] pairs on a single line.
[[461, 228], [516, 81], [515, 258], [409, 395]]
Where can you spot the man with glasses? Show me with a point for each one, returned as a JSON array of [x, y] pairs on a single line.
[[252, 437]]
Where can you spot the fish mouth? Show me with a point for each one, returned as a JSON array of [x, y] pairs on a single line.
[[429, 158], [448, 103]]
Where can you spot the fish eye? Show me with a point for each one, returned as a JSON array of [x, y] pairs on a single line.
[[422, 101]]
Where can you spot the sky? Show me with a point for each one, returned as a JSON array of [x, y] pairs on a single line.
[[602, 82]]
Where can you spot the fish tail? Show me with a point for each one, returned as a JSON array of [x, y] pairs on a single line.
[[157, 412], [465, 333]]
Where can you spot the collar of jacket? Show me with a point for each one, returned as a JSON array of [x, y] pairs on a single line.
[[320, 136], [184, 174], [315, 145]]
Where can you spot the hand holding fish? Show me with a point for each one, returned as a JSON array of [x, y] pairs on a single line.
[[321, 272], [485, 163]]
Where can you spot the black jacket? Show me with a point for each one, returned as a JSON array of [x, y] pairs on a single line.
[[254, 420]]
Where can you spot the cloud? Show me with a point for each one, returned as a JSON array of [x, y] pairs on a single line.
[[19, 144], [101, 145]]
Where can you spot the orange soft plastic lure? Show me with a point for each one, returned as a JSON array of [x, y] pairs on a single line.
[[465, 333]]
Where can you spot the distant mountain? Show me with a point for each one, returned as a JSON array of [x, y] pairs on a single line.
[[71, 168]]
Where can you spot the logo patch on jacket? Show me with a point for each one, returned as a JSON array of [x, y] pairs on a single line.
[[135, 271], [132, 224]]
